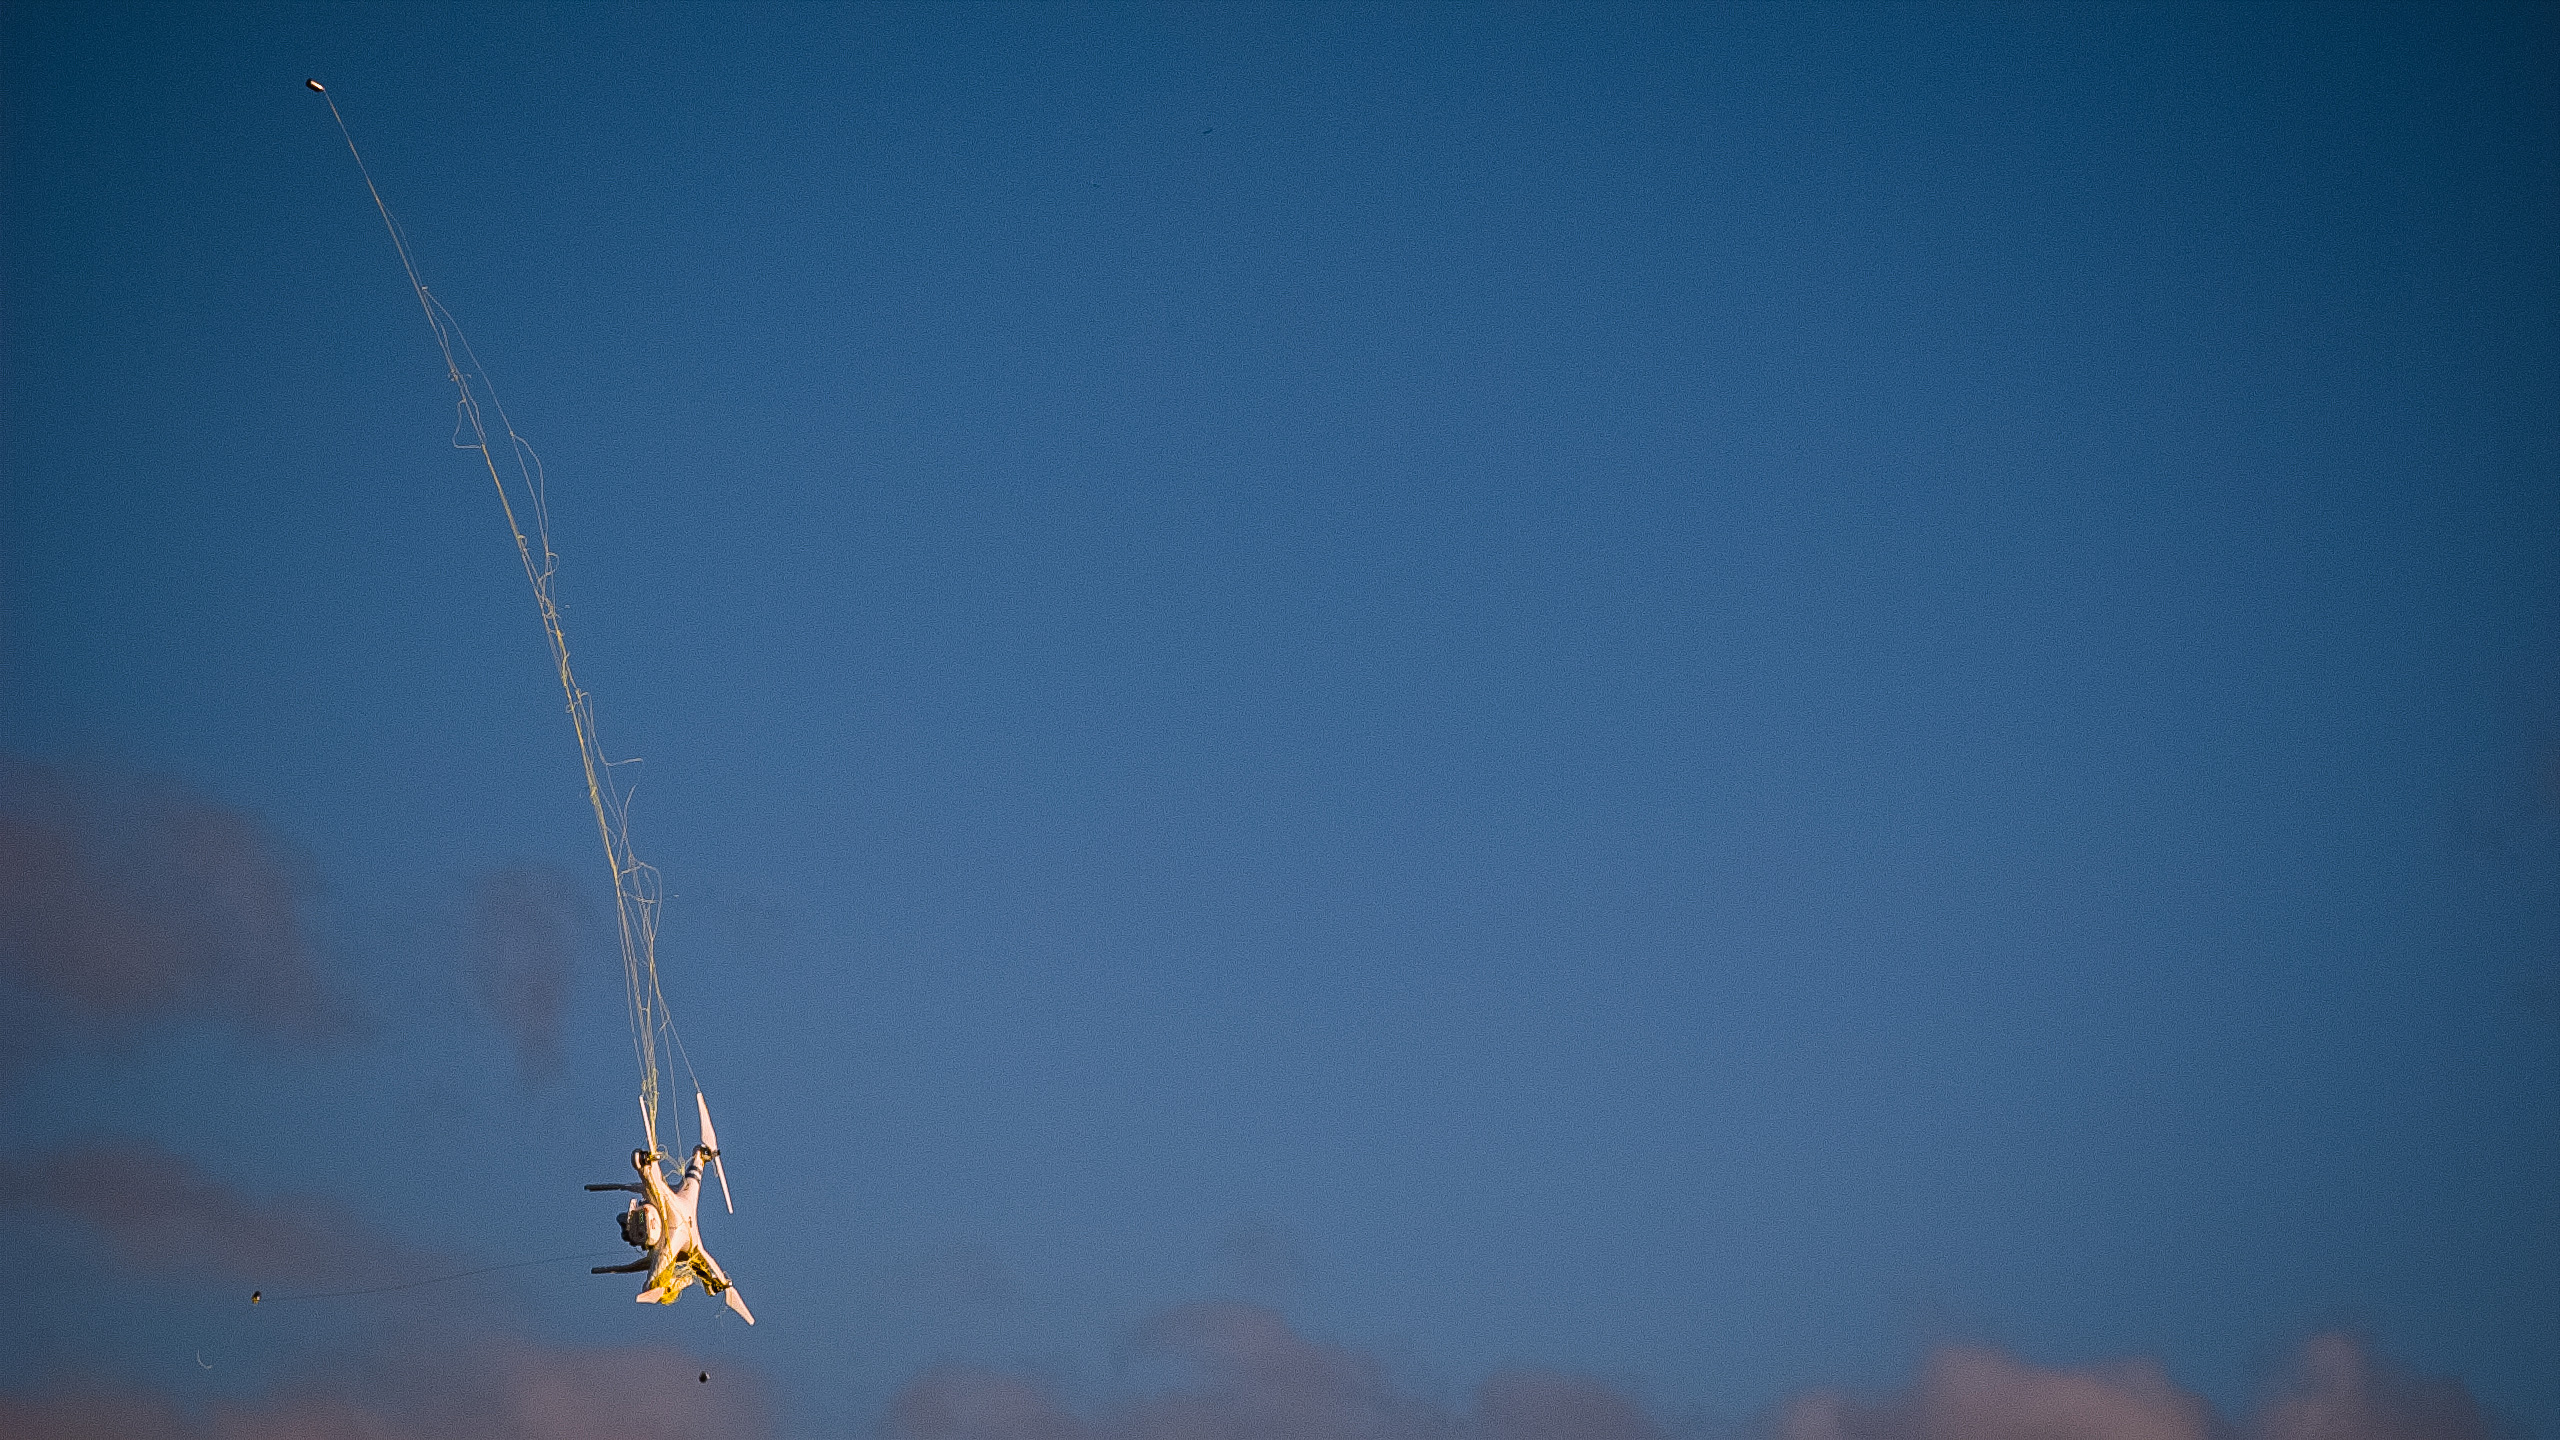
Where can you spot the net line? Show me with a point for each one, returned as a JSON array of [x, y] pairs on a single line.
[[636, 889]]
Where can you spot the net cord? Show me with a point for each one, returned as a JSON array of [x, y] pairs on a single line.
[[636, 890]]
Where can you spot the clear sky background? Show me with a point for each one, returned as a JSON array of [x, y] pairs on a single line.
[[1717, 698]]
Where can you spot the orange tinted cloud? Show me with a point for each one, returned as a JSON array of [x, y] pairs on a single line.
[[1255, 1376], [1251, 1376], [2336, 1389]]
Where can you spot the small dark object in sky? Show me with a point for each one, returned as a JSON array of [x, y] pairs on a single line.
[[314, 84], [256, 1295], [704, 1377]]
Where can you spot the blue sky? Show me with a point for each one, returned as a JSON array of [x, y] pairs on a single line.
[[1709, 696]]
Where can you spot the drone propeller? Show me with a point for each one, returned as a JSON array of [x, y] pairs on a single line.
[[713, 1141]]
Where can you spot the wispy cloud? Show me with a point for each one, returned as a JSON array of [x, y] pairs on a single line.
[[526, 923], [1985, 1395], [2336, 1389], [134, 902], [961, 1402], [1254, 1376], [1250, 1376], [1263, 1258], [2340, 1390], [496, 1390], [162, 1215]]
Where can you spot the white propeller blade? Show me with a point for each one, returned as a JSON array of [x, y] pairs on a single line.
[[713, 1140]]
